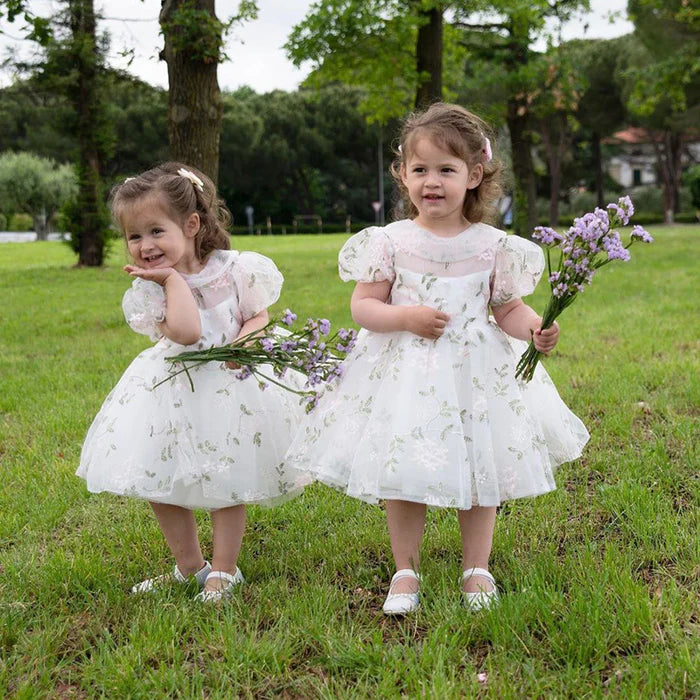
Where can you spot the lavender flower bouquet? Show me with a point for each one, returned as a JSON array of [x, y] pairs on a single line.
[[313, 351], [588, 245]]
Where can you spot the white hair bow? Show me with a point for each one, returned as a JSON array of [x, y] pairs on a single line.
[[196, 181]]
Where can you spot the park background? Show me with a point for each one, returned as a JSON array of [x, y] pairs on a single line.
[[600, 578]]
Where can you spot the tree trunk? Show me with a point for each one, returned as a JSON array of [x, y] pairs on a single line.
[[598, 169], [195, 106], [91, 224], [524, 196], [41, 226], [556, 138], [669, 149], [518, 120], [429, 57]]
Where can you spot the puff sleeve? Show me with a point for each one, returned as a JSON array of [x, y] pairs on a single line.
[[368, 256], [518, 266], [144, 308], [258, 283]]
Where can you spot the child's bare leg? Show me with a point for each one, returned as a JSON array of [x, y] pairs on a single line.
[[228, 526], [180, 531], [477, 525], [406, 521]]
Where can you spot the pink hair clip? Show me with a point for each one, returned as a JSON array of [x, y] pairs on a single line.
[[488, 154]]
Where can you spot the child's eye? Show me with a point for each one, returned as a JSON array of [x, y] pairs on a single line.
[[448, 170], [133, 237], [156, 231], [418, 169]]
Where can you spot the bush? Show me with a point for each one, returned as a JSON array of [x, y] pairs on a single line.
[[277, 229], [692, 180], [20, 222], [3, 222]]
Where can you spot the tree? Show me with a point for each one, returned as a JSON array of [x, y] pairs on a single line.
[[553, 110], [194, 42], [35, 186], [74, 59], [307, 152], [92, 225], [600, 110], [501, 39], [392, 49], [663, 81]]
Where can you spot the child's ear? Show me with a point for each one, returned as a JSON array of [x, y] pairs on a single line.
[[476, 175], [402, 173], [192, 225]]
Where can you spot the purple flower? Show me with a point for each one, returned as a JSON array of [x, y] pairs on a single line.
[[244, 372], [324, 325], [546, 235], [641, 234], [311, 402], [623, 209], [614, 248], [267, 345], [289, 317], [554, 277], [288, 345]]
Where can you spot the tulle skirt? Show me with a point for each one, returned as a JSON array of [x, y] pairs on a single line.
[[217, 446], [438, 422]]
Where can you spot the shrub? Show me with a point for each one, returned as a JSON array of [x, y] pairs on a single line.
[[21, 222]]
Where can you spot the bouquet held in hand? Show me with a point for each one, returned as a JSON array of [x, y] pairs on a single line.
[[312, 350], [588, 245]]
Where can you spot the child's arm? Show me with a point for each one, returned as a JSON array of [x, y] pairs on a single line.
[[182, 324], [370, 310], [521, 321], [255, 323]]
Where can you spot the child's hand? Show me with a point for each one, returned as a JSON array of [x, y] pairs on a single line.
[[426, 322], [545, 340], [157, 274]]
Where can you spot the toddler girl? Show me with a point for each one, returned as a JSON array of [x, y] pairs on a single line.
[[428, 410], [217, 447]]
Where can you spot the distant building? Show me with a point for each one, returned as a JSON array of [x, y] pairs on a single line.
[[636, 162]]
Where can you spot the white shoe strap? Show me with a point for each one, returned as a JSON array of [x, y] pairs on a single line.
[[476, 571], [181, 578], [229, 578], [403, 573]]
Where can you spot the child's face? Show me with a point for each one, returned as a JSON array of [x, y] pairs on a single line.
[[155, 240], [437, 183]]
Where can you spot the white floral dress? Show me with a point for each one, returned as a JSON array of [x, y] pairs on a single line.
[[219, 445], [440, 422]]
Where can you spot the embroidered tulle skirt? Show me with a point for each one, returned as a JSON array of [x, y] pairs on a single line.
[[219, 445], [438, 422]]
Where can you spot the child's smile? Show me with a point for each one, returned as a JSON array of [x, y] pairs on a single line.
[[155, 240], [437, 183]]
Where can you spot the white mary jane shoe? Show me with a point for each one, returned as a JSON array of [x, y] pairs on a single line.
[[232, 580], [401, 603], [153, 584], [481, 599]]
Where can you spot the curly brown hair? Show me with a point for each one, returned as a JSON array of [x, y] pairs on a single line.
[[182, 198], [461, 133]]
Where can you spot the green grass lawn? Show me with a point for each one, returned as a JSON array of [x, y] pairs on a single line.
[[600, 578]]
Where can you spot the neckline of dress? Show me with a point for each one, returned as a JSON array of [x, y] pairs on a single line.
[[435, 237], [209, 266]]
